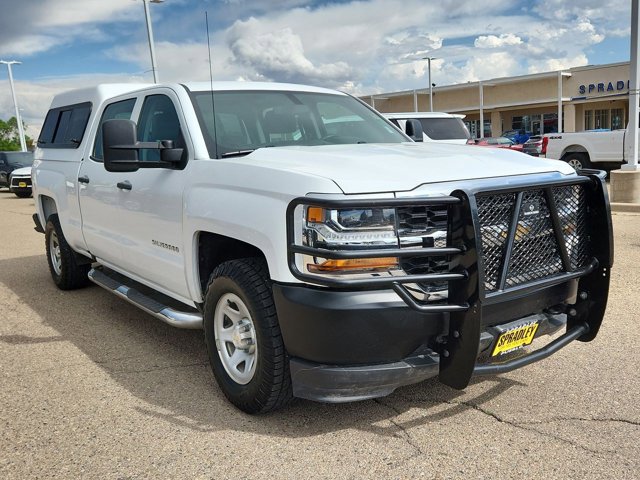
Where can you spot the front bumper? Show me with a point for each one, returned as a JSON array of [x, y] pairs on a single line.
[[360, 339], [20, 184], [347, 346]]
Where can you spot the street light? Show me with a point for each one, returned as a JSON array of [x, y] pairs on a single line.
[[428, 59], [147, 17], [23, 144]]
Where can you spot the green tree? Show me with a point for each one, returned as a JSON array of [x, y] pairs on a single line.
[[10, 137]]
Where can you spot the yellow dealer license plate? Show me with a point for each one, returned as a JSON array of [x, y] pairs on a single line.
[[22, 184], [516, 338]]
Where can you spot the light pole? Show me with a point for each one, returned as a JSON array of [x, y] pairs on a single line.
[[147, 17], [23, 144], [428, 59]]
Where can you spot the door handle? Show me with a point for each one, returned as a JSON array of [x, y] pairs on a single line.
[[83, 179], [126, 185]]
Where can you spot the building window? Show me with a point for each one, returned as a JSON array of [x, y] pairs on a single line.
[[588, 119], [601, 119], [612, 119], [550, 123], [617, 118]]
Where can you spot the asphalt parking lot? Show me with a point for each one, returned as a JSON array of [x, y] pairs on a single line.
[[91, 387]]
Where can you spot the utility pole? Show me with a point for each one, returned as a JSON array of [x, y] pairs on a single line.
[[23, 144], [428, 59], [152, 50]]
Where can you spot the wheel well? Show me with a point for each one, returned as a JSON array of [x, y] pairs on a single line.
[[574, 149], [48, 207], [214, 249]]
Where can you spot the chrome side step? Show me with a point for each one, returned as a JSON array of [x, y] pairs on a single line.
[[175, 318]]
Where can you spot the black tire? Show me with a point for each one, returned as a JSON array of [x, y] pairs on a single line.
[[67, 274], [22, 194], [578, 161], [269, 387]]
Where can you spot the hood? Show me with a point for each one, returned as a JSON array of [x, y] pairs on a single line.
[[22, 171], [375, 168]]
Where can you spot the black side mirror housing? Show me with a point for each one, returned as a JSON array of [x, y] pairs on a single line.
[[116, 134], [121, 148], [413, 129]]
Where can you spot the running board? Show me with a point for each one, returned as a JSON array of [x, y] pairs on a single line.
[[175, 318]]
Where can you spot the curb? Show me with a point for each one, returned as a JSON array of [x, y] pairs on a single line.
[[618, 207]]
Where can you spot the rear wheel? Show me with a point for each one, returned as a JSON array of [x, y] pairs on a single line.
[[578, 161], [243, 338], [67, 273]]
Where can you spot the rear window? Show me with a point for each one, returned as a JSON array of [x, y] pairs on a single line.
[[64, 127], [444, 128]]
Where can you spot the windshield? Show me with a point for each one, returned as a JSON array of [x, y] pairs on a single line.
[[247, 120], [445, 128], [18, 158]]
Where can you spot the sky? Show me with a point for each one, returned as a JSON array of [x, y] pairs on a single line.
[[362, 47]]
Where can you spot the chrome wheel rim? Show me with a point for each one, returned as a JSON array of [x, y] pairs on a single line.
[[54, 253], [575, 163], [235, 337]]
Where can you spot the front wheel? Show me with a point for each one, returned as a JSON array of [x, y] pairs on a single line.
[[243, 338], [65, 270]]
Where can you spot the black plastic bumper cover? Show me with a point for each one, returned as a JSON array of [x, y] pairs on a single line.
[[334, 384]]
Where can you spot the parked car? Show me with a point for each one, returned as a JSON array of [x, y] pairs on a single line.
[[20, 182], [499, 142], [326, 255], [536, 145], [9, 161], [436, 126], [517, 136]]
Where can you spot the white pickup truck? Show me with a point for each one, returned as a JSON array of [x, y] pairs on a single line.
[[325, 254], [605, 150]]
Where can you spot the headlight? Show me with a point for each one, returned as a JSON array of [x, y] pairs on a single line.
[[349, 229]]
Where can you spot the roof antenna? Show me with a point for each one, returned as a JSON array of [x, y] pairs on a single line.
[[213, 110]]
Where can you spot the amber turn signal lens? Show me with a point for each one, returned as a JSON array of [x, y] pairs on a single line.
[[352, 264], [315, 214]]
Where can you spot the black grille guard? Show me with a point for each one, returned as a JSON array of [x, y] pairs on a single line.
[[466, 278]]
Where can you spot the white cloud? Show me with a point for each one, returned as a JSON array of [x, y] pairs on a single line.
[[280, 55], [559, 63], [493, 41]]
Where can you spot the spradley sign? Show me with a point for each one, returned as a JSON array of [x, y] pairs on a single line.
[[604, 87]]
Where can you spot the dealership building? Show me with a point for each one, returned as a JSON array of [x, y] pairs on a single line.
[[574, 99]]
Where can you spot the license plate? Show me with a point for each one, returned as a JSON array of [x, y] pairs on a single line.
[[22, 184], [515, 338]]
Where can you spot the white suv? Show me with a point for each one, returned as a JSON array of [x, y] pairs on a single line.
[[436, 126]]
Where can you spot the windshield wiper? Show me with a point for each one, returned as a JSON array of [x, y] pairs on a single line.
[[237, 153], [241, 153]]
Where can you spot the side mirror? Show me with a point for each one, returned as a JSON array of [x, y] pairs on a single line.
[[121, 148], [116, 134], [413, 129]]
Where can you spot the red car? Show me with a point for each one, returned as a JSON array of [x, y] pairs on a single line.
[[499, 142]]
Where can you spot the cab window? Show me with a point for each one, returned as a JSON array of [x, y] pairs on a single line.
[[112, 111]]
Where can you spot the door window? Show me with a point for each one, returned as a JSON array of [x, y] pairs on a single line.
[[112, 111], [158, 121]]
